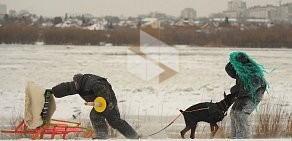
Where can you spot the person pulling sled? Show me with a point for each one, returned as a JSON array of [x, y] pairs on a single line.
[[92, 87]]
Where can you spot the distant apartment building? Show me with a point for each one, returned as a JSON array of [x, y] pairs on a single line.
[[189, 13], [261, 12], [231, 14], [283, 13], [236, 9], [236, 5], [286, 12], [3, 11], [289, 13]]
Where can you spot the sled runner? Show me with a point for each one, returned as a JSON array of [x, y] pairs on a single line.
[[39, 108]]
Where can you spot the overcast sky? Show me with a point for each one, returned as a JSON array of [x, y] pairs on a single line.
[[124, 7]]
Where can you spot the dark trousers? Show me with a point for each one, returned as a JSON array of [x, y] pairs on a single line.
[[113, 118]]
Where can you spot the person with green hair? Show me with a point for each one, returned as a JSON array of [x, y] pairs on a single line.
[[249, 89]]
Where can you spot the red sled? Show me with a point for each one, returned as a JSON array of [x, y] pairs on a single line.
[[59, 127], [39, 108]]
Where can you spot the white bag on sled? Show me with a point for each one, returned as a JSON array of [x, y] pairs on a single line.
[[34, 104]]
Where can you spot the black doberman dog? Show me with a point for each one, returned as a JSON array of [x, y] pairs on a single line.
[[207, 112]]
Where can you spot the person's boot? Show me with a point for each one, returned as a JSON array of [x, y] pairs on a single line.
[[100, 135], [126, 130]]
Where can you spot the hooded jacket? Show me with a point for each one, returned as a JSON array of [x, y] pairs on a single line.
[[254, 85]]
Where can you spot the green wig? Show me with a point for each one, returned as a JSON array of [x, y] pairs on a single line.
[[249, 73]]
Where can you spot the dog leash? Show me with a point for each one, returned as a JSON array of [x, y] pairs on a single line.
[[176, 119], [165, 126]]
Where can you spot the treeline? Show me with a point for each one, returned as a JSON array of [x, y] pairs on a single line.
[[74, 36], [277, 36], [19, 33], [77, 36]]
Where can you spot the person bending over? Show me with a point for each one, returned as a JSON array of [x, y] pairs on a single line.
[[89, 87]]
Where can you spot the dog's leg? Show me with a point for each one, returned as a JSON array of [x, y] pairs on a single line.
[[215, 129], [193, 130], [212, 130], [183, 132], [212, 127]]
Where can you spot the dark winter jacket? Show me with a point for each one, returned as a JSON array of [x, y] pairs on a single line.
[[89, 87]]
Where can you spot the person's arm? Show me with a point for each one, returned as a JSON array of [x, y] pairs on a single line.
[[64, 89]]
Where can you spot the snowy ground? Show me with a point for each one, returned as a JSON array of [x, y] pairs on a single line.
[[148, 105]]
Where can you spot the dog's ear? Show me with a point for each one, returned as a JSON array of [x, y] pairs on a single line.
[[224, 94]]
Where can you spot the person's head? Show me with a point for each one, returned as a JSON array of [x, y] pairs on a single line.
[[244, 66], [77, 78], [241, 59]]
